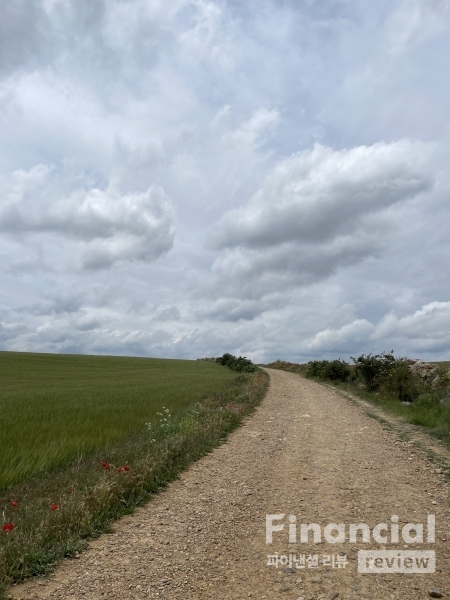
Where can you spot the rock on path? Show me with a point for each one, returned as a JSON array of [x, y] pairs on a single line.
[[307, 452]]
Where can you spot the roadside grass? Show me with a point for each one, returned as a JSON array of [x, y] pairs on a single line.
[[92, 492], [425, 412], [57, 408]]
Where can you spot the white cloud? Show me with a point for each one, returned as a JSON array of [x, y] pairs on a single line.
[[421, 333], [431, 322], [342, 339], [316, 212], [252, 133], [108, 227], [320, 193], [415, 21]]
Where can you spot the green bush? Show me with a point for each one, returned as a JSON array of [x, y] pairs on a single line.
[[374, 369], [401, 383], [316, 368], [335, 370], [240, 364]]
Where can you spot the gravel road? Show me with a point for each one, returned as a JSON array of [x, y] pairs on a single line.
[[308, 452]]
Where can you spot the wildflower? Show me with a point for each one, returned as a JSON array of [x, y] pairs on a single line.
[[55, 506], [120, 469], [8, 527], [106, 465], [14, 503], [72, 490], [126, 468]]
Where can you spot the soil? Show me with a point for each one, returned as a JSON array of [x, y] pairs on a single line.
[[307, 451]]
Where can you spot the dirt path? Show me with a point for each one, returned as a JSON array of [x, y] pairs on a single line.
[[307, 452]]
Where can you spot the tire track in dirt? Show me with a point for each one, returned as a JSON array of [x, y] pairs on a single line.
[[307, 451]]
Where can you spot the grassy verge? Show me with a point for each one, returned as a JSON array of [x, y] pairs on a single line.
[[56, 514], [425, 412], [56, 408]]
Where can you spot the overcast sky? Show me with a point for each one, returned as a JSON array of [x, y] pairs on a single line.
[[184, 178]]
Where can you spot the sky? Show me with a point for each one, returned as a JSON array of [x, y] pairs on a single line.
[[184, 178]]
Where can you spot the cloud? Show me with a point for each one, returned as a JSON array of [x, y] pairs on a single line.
[[316, 212], [253, 132], [413, 22], [54, 306], [107, 226], [22, 34], [343, 339], [430, 323], [233, 309], [425, 331], [253, 272], [168, 314], [321, 193]]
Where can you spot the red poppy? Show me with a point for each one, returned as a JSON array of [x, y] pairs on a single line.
[[14, 503], [120, 469], [8, 527], [55, 506], [72, 490], [106, 465], [126, 468]]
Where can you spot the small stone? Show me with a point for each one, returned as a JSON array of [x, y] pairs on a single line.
[[300, 598], [334, 596], [435, 593], [317, 579], [284, 587]]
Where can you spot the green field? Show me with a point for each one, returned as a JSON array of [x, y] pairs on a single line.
[[56, 408]]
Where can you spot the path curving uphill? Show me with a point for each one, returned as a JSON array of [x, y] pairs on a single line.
[[308, 452]]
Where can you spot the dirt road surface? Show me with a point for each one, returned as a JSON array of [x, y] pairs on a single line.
[[307, 452]]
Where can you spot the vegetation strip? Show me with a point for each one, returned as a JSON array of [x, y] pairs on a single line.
[[52, 517]]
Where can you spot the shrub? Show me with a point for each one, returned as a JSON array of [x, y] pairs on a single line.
[[316, 368], [374, 369], [240, 364], [402, 383], [335, 370]]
